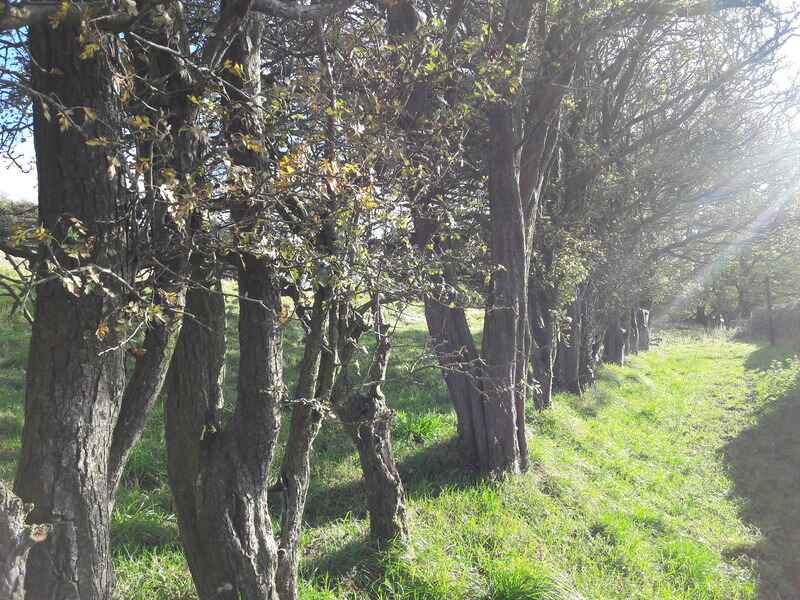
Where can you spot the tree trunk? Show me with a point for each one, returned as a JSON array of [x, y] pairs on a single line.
[[191, 411], [614, 343], [367, 419], [222, 508], [455, 349], [314, 385], [16, 540], [73, 393], [544, 346], [590, 343], [505, 323], [570, 351], [632, 338], [643, 322]]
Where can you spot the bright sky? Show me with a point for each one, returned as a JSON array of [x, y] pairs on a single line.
[[20, 184]]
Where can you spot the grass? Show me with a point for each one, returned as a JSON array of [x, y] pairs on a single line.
[[675, 478]]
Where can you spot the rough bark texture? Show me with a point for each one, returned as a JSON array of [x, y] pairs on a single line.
[[367, 419], [193, 403], [72, 393], [458, 356], [16, 540], [222, 501], [504, 324], [314, 385]]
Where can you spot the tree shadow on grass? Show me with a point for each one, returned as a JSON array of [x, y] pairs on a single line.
[[762, 359], [426, 473], [764, 463]]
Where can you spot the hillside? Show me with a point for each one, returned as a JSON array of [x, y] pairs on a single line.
[[674, 478]]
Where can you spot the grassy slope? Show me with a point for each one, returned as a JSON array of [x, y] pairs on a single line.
[[654, 485]]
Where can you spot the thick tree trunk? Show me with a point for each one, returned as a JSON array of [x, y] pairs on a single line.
[[73, 392], [191, 411], [222, 502], [455, 349], [505, 323], [16, 540]]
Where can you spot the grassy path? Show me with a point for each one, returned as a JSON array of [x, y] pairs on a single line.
[[676, 478]]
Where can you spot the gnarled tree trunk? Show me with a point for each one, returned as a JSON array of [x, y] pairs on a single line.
[[367, 419]]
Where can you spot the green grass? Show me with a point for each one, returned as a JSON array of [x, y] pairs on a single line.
[[675, 478]]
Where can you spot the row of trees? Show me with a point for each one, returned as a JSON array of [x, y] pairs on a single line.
[[547, 162]]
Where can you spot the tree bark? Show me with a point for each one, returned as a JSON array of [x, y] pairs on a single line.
[[505, 322], [313, 388], [543, 352], [632, 337], [192, 407], [643, 322], [614, 343], [73, 392], [367, 418], [570, 351], [16, 540], [220, 471]]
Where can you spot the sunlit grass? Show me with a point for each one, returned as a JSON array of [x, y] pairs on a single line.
[[636, 489]]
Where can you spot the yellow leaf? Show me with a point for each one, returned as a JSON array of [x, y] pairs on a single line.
[[101, 141], [63, 121], [102, 330], [56, 18], [90, 113], [285, 165], [113, 165], [139, 121], [89, 50]]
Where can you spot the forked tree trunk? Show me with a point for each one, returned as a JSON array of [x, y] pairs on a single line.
[[222, 506], [367, 418], [455, 349]]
